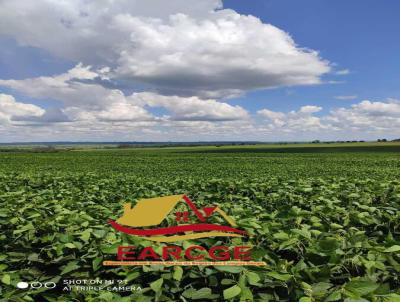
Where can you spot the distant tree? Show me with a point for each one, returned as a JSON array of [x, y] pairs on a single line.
[[46, 149], [317, 141], [124, 146]]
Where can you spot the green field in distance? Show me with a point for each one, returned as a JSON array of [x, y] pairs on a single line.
[[371, 160]]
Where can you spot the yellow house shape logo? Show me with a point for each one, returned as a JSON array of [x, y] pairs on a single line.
[[151, 212]]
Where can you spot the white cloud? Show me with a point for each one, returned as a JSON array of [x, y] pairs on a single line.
[[69, 88], [116, 112], [346, 97], [368, 116], [185, 47], [310, 109], [81, 29], [192, 108], [85, 100], [11, 109], [364, 120], [272, 115], [226, 53], [343, 72], [89, 101], [390, 108], [293, 121]]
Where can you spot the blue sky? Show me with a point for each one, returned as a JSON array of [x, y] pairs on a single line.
[[337, 79], [360, 35]]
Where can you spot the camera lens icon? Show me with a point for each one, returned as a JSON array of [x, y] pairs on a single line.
[[35, 284], [22, 285]]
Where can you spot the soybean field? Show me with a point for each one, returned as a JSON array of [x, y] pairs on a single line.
[[324, 217]]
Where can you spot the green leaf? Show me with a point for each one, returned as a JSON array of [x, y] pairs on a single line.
[[328, 244], [96, 263], [246, 295], [106, 296], [34, 257], [70, 245], [361, 287], [335, 296], [156, 285], [302, 232], [85, 236], [178, 272], [281, 236], [336, 226], [232, 292], [392, 249], [253, 278], [27, 227], [71, 266], [203, 293], [305, 299], [189, 292], [132, 276], [3, 267], [230, 269], [266, 297], [391, 298], [355, 300], [320, 289], [227, 281], [6, 279], [282, 277]]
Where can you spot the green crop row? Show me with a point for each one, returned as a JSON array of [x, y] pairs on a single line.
[[323, 239]]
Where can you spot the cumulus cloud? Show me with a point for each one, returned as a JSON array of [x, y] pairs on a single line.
[[50, 115], [368, 116], [309, 109], [115, 112], [81, 30], [69, 88], [90, 111], [184, 47], [192, 108], [82, 99], [365, 120], [360, 120], [11, 109], [293, 121], [226, 53]]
